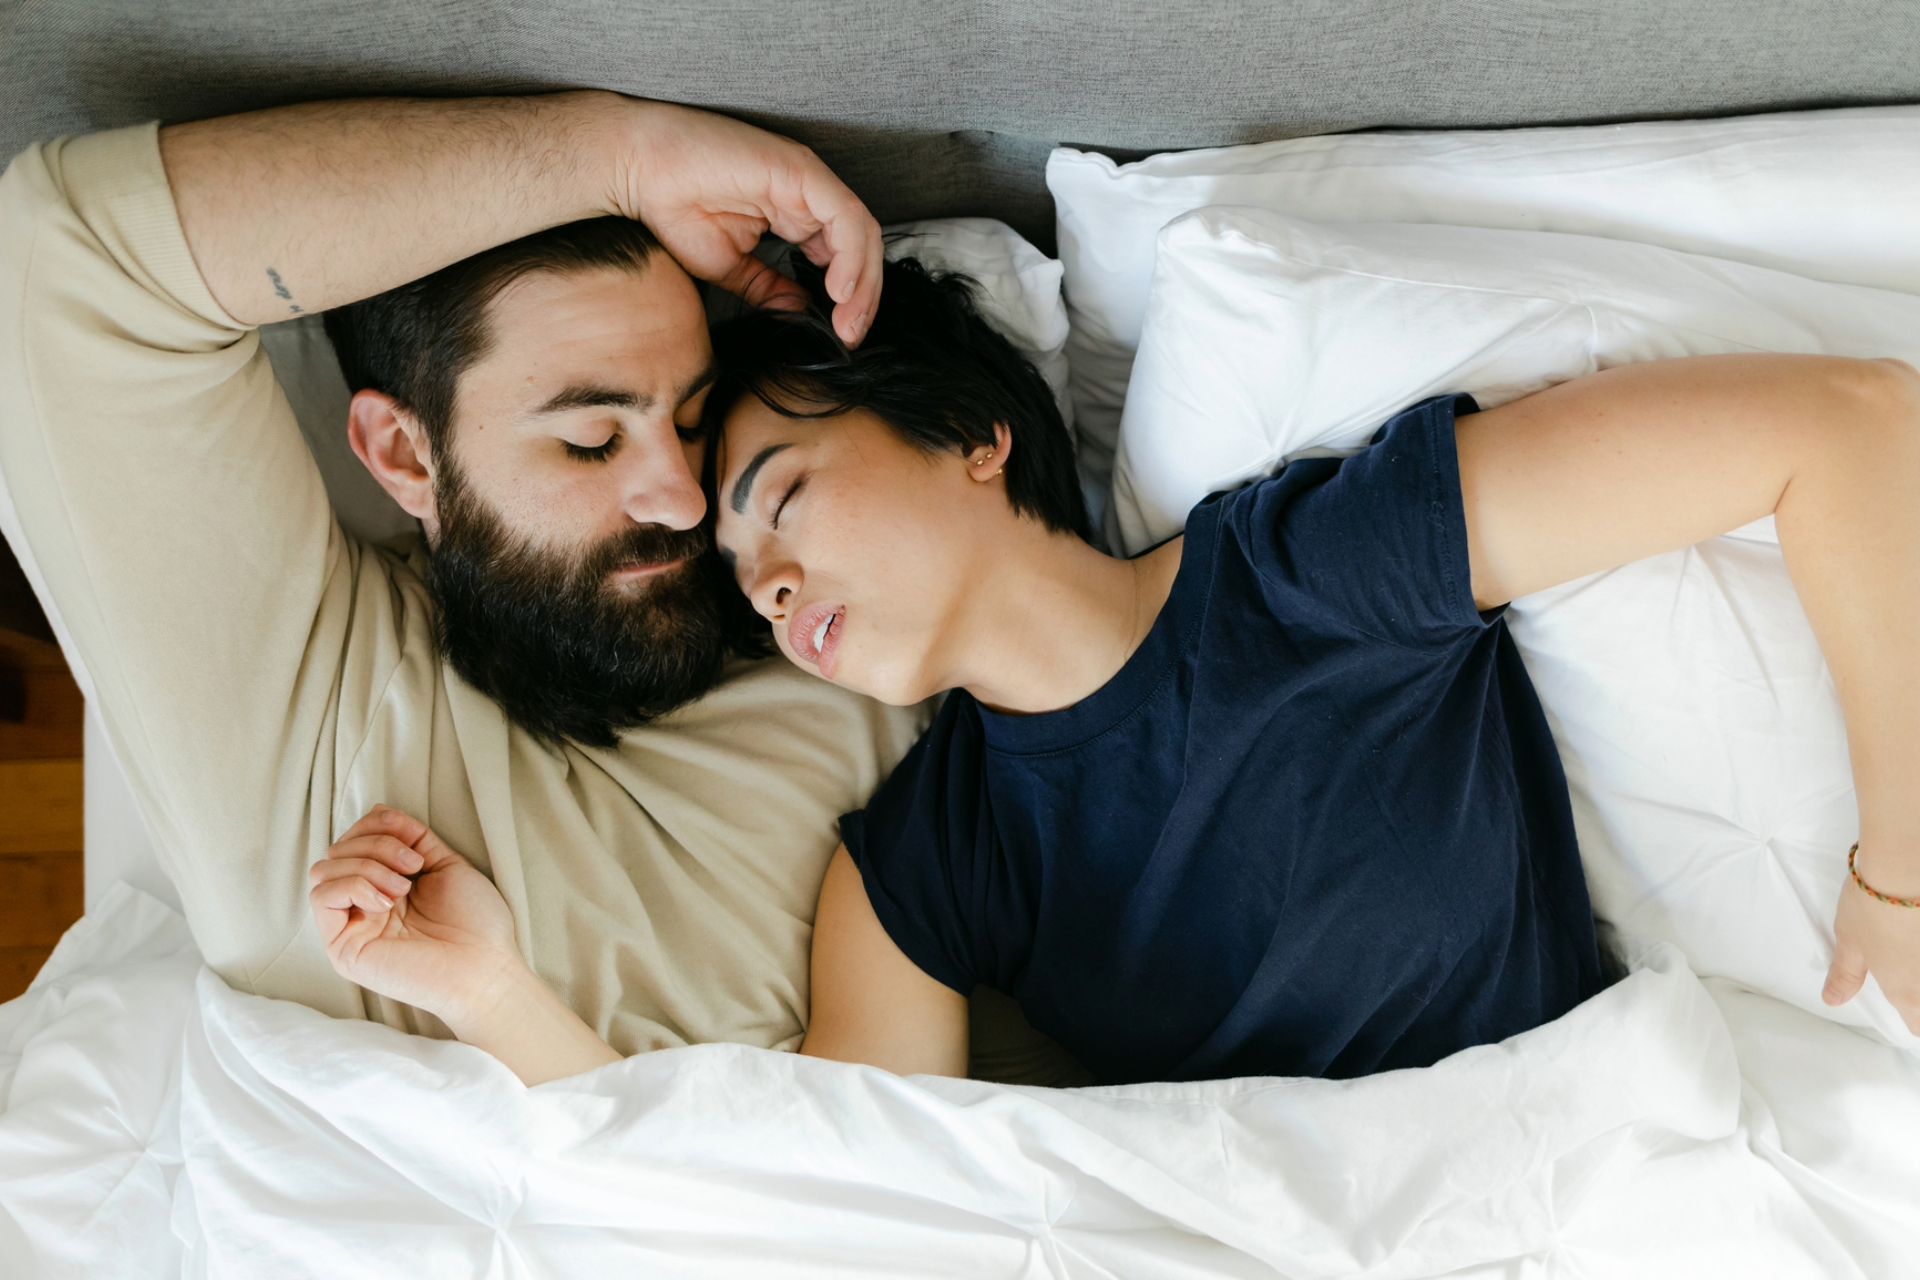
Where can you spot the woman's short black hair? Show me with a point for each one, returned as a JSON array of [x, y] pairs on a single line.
[[932, 368]]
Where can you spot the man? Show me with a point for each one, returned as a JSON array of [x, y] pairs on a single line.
[[265, 679]]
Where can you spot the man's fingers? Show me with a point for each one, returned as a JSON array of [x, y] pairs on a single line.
[[1845, 975], [844, 267], [760, 285], [381, 820], [386, 849], [349, 891], [377, 873], [836, 229], [858, 256]]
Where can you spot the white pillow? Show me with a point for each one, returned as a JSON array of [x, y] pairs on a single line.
[[1019, 292], [1826, 194], [1702, 738], [1266, 335]]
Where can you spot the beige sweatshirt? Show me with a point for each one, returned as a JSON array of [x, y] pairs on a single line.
[[265, 678]]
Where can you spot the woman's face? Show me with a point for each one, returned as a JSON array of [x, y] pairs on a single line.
[[855, 546]]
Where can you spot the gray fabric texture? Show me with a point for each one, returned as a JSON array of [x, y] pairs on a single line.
[[949, 108]]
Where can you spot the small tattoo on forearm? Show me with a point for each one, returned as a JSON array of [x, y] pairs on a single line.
[[280, 290]]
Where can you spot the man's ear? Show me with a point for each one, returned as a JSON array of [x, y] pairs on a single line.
[[987, 463], [392, 445]]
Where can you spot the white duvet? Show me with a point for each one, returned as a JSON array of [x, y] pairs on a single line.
[[157, 1123]]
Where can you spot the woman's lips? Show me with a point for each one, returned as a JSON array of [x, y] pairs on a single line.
[[814, 634]]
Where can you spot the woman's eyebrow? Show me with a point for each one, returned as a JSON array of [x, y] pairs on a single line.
[[743, 486]]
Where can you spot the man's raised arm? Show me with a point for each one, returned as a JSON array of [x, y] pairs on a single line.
[[303, 208]]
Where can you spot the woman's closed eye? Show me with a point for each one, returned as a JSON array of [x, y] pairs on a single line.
[[793, 491]]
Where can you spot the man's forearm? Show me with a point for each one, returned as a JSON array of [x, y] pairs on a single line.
[[519, 1020], [298, 209]]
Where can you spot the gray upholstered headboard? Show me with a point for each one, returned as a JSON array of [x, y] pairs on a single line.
[[946, 107]]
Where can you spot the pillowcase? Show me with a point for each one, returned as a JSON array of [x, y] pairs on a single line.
[[1266, 335], [1019, 292], [1702, 739], [1824, 194]]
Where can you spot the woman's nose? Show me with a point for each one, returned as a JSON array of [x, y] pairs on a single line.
[[772, 595]]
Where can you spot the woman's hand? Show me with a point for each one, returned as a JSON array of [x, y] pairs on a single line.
[[1876, 937], [709, 187], [404, 916]]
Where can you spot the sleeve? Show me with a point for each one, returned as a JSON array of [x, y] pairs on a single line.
[[922, 844], [175, 525], [1375, 542]]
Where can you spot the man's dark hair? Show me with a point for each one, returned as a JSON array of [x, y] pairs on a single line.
[[414, 342], [932, 368]]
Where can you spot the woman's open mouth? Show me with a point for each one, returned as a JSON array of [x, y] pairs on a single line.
[[814, 635]]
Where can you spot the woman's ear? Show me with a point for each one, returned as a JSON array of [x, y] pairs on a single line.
[[393, 447], [985, 463]]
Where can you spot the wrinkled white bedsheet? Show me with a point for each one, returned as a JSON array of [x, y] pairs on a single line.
[[154, 1122]]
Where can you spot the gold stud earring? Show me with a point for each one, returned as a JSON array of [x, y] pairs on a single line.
[[981, 462]]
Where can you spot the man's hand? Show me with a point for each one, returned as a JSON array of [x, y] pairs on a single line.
[[442, 941], [710, 187], [404, 916]]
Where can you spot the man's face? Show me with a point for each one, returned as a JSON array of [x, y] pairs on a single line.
[[580, 421], [570, 566]]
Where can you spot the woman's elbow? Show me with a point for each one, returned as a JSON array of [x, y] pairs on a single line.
[[1875, 406], [1896, 386]]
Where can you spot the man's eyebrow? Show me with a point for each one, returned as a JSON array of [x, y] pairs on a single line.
[[597, 395], [594, 395], [708, 376], [743, 487]]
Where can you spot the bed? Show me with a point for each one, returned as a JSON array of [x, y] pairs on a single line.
[[1706, 1116]]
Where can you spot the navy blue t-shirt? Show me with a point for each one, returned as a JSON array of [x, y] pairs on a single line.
[[1315, 825]]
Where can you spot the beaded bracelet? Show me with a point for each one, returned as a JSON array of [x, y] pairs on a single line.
[[1869, 890]]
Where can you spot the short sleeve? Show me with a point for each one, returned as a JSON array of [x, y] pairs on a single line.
[[1375, 542], [923, 844]]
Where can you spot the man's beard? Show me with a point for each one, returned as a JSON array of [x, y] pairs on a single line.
[[547, 636]]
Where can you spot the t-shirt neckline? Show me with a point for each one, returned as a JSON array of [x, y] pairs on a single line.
[[1151, 662]]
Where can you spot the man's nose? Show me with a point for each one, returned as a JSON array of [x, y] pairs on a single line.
[[663, 489]]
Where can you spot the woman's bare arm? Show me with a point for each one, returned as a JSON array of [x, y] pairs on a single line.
[[1648, 458], [870, 1003]]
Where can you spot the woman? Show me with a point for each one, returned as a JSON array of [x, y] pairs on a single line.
[[1275, 797]]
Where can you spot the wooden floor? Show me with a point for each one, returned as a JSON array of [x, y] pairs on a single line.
[[40, 814]]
